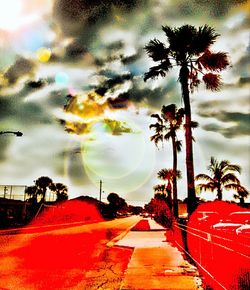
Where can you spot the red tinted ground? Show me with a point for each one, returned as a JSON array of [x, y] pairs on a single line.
[[66, 258]]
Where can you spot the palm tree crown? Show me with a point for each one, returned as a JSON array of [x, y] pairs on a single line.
[[222, 177], [190, 46]]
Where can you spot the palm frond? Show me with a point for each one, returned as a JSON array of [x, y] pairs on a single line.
[[178, 146], [157, 116], [228, 178], [214, 61], [194, 124], [203, 39], [154, 72], [168, 135], [241, 190], [210, 186], [234, 167], [212, 81], [204, 177], [156, 50], [157, 138]]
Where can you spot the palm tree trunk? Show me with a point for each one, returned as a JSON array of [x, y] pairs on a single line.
[[191, 197], [175, 199], [219, 193]]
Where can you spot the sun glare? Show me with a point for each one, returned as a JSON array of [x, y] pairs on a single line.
[[10, 14]]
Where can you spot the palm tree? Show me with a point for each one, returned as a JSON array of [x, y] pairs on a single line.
[[42, 183], [169, 175], [166, 127], [31, 192], [242, 194], [188, 48], [160, 189], [60, 190], [222, 177]]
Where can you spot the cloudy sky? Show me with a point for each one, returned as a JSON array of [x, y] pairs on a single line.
[[71, 79]]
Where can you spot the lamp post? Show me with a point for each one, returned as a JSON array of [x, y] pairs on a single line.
[[17, 133]]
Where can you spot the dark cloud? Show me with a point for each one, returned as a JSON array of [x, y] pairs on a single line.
[[239, 128], [74, 16], [36, 84], [217, 8], [121, 102], [75, 50], [126, 60], [110, 83], [20, 68]]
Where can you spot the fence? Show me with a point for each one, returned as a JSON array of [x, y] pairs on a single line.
[[224, 259], [16, 192]]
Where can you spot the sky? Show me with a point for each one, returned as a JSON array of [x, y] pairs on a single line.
[[71, 80]]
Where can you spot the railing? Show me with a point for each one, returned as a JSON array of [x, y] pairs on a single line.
[[223, 259], [15, 192]]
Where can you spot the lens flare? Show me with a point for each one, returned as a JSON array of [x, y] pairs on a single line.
[[61, 78], [43, 54]]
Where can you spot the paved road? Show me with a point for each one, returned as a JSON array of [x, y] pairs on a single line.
[[67, 258]]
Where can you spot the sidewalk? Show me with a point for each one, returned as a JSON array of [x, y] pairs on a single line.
[[155, 264]]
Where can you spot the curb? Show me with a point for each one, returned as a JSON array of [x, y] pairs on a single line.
[[120, 236]]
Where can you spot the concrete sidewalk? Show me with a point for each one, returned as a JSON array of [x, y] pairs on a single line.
[[155, 263]]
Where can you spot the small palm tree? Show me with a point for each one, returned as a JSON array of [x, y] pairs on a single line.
[[166, 128], [60, 190], [42, 183], [31, 192], [160, 189], [189, 49], [242, 194], [169, 175], [222, 177]]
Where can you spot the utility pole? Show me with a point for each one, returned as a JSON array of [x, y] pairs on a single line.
[[100, 197]]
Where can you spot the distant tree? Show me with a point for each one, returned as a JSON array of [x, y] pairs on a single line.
[[166, 128], [160, 189], [116, 203], [222, 177], [189, 49], [169, 175], [60, 190], [31, 192], [42, 184], [242, 194], [159, 209]]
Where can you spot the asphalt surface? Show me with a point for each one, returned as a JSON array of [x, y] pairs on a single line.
[[64, 258]]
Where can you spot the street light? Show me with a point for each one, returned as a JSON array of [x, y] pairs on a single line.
[[17, 133]]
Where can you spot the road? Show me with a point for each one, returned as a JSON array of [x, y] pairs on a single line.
[[66, 258]]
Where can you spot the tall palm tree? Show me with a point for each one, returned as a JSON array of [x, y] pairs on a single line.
[[60, 190], [169, 175], [188, 48], [222, 177], [166, 128], [42, 183]]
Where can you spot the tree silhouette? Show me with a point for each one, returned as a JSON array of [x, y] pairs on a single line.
[[160, 189], [42, 184], [116, 203], [242, 194], [60, 190], [31, 192], [188, 48], [222, 177], [165, 128], [169, 175]]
